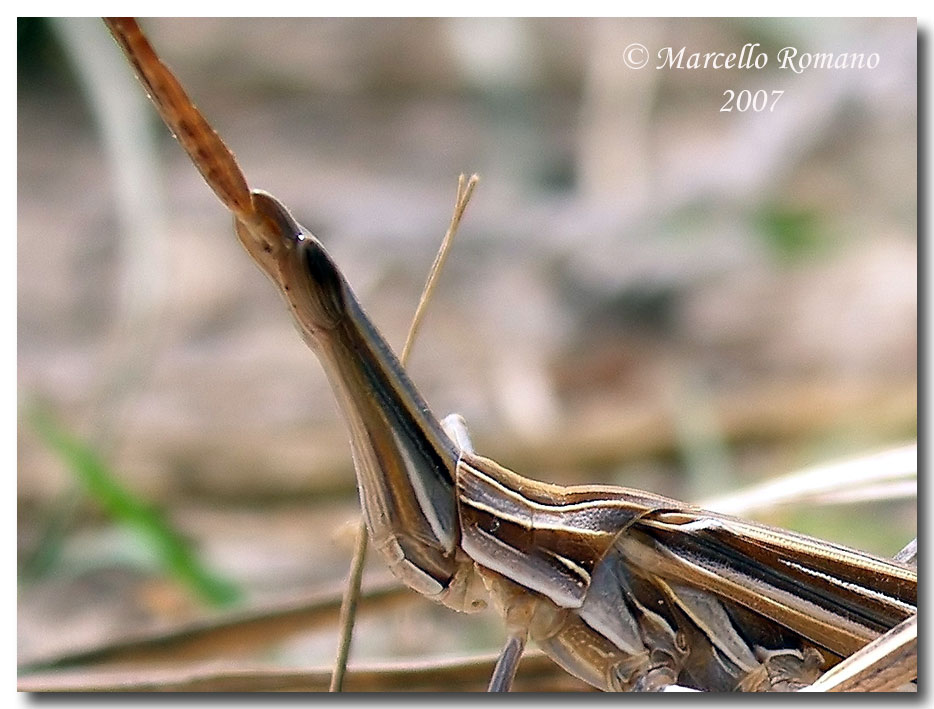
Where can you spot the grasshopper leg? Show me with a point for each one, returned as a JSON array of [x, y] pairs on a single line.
[[508, 662], [659, 679], [505, 671], [456, 427], [908, 555]]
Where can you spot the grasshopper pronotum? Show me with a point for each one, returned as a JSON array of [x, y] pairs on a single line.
[[626, 589]]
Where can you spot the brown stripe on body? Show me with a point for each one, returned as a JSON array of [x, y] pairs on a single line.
[[838, 597], [545, 537]]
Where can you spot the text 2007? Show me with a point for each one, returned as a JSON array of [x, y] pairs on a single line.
[[746, 100]]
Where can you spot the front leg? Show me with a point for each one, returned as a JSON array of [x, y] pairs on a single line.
[[507, 664], [517, 619], [456, 427], [783, 670]]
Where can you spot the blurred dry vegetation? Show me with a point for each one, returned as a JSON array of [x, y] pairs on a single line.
[[645, 291]]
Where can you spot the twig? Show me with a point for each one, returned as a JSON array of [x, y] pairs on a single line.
[[888, 474], [348, 614], [465, 190], [537, 674], [231, 634], [887, 664]]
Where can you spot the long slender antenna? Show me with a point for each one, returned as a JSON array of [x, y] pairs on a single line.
[[348, 613], [204, 146]]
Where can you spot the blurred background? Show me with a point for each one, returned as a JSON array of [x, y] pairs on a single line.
[[645, 291]]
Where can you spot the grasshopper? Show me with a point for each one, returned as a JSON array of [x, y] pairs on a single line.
[[626, 589]]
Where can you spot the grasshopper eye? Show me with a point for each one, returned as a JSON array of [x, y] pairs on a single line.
[[320, 269], [324, 283]]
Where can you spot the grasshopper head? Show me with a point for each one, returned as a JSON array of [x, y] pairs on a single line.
[[297, 263]]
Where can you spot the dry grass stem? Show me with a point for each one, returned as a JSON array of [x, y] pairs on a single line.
[[887, 664], [885, 475], [348, 613], [465, 189], [239, 633], [537, 673]]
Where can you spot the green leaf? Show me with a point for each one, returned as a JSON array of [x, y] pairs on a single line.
[[792, 233], [174, 552]]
